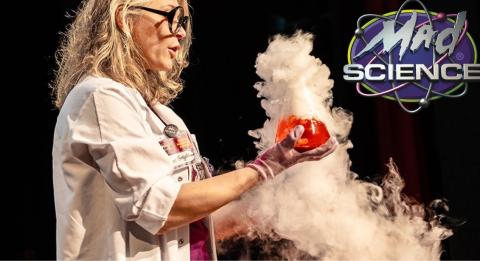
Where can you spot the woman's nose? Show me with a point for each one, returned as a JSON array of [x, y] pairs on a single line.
[[181, 34]]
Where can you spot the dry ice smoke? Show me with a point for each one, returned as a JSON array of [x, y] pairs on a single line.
[[321, 207]]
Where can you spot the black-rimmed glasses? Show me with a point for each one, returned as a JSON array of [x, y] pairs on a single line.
[[176, 17]]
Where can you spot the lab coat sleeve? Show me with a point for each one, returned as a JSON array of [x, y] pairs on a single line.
[[136, 168]]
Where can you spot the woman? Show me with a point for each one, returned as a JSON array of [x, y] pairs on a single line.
[[123, 162]]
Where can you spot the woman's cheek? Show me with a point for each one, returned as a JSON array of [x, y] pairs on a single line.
[[161, 60]]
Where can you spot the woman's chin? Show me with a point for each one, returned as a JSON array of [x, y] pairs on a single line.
[[164, 66]]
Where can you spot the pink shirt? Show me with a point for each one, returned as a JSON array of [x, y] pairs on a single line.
[[199, 241], [199, 237]]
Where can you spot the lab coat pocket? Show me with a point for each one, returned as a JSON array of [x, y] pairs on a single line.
[[182, 175]]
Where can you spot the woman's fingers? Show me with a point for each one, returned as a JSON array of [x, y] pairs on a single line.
[[326, 148], [325, 154]]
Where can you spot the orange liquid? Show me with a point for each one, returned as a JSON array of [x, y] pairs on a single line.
[[315, 133]]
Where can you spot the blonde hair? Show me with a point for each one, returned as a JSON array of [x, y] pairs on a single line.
[[93, 44]]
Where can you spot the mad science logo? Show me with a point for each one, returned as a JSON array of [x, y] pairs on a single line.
[[412, 56]]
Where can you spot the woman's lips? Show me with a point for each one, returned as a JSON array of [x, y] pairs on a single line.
[[173, 51]]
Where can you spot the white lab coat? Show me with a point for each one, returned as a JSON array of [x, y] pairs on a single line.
[[114, 185]]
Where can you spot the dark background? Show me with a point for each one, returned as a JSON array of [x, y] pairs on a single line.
[[436, 150]]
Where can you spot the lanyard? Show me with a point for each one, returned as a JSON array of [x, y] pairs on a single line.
[[158, 116]]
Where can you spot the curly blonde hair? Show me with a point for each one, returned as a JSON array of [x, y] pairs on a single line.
[[93, 44]]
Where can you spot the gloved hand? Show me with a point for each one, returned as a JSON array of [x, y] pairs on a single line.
[[282, 155]]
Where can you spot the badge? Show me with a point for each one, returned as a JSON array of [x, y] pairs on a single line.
[[200, 171], [171, 130], [179, 148]]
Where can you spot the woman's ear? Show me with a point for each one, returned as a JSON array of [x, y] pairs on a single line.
[[118, 17]]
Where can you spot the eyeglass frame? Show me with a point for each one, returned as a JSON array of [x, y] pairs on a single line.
[[170, 15]]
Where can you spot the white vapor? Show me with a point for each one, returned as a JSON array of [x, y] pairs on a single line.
[[321, 206]]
